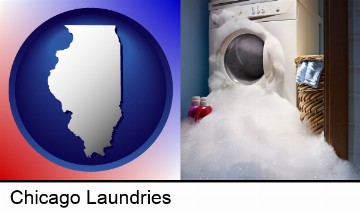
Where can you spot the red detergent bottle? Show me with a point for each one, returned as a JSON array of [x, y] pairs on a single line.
[[203, 110], [195, 104]]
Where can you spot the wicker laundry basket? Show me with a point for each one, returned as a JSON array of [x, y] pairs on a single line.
[[311, 101]]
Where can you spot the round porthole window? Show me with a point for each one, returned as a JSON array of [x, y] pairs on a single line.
[[244, 59]]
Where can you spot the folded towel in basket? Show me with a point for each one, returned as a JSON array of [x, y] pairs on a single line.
[[309, 73], [301, 72], [313, 73]]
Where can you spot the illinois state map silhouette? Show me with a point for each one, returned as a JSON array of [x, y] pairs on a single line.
[[87, 82]]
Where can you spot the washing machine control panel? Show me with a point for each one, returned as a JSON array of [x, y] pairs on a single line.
[[264, 9], [259, 11]]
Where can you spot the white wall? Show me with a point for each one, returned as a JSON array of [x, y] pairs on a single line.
[[354, 81]]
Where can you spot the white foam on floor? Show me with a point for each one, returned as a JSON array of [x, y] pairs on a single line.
[[253, 133]]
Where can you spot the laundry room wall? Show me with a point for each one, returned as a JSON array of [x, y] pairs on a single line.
[[194, 51], [354, 82]]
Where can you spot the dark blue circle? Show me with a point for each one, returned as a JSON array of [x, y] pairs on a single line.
[[146, 92]]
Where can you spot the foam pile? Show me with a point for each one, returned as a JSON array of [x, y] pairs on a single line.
[[254, 134]]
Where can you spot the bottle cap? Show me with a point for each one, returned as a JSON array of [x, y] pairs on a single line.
[[204, 101], [195, 101]]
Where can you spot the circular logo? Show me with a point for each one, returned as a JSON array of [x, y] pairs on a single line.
[[90, 89]]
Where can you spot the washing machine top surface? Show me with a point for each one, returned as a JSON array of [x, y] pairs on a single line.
[[217, 3], [235, 1]]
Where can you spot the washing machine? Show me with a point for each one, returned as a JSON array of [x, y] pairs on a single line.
[[295, 24]]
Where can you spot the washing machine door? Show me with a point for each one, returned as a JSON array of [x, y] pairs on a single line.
[[242, 56]]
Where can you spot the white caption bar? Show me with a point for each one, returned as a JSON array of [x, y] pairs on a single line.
[[179, 196]]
